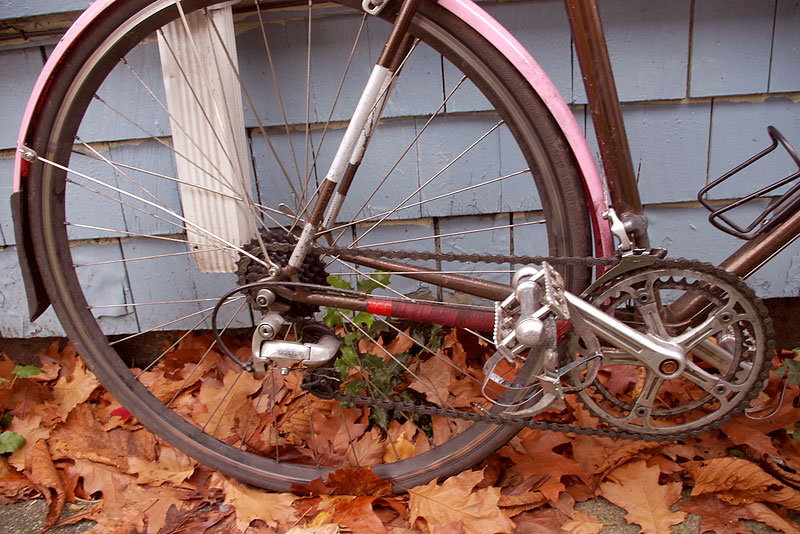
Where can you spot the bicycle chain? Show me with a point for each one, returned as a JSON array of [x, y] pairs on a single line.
[[679, 263]]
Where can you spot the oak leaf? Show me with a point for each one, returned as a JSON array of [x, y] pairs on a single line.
[[532, 452], [252, 504], [223, 403], [635, 487], [172, 467], [32, 429], [740, 481], [73, 389], [456, 500], [82, 436], [357, 515], [433, 380]]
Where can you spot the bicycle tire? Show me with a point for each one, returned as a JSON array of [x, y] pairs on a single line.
[[74, 85]]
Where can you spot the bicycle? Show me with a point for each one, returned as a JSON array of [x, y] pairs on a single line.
[[174, 184]]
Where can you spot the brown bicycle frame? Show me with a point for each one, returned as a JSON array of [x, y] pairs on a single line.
[[592, 52]]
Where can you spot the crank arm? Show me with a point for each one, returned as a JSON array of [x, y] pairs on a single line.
[[664, 358]]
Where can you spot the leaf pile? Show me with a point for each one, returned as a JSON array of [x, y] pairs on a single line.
[[83, 448]]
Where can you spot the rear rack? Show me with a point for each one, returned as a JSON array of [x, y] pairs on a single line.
[[777, 210]]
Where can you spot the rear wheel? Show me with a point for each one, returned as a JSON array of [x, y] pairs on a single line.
[[143, 204]]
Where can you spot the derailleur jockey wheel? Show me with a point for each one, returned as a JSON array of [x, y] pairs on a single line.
[[717, 322]]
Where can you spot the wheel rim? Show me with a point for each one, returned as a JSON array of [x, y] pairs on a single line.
[[78, 315]]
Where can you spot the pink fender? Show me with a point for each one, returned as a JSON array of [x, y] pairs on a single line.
[[473, 15], [496, 34]]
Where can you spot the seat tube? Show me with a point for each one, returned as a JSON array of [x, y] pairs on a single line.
[[601, 91]]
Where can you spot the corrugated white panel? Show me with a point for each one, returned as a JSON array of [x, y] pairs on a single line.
[[205, 103]]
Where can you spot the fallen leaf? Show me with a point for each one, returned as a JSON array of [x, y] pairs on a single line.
[[583, 523], [740, 481], [171, 467], [716, 515], [456, 500], [532, 452], [252, 504], [361, 481], [82, 436], [399, 449], [73, 389], [635, 487], [43, 473], [357, 515], [761, 512]]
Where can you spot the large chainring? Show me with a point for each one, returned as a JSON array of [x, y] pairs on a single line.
[[726, 344]]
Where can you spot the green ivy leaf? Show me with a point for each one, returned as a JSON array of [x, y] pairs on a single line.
[[792, 370], [26, 371], [5, 421], [332, 317], [364, 319], [11, 441], [339, 283], [373, 281]]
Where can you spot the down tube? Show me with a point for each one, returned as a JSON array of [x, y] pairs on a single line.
[[508, 45]]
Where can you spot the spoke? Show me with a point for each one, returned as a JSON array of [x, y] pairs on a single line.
[[451, 234], [118, 164], [421, 202], [126, 232], [126, 204], [173, 321], [174, 344], [202, 358], [277, 90], [326, 128], [307, 170], [153, 257], [431, 179], [261, 127], [403, 155], [164, 143], [219, 177], [159, 303], [168, 211]]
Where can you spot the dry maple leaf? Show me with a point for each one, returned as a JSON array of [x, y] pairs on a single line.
[[172, 467], [82, 436], [438, 374], [740, 481], [635, 487], [252, 504], [532, 452], [73, 389], [456, 500], [582, 523]]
